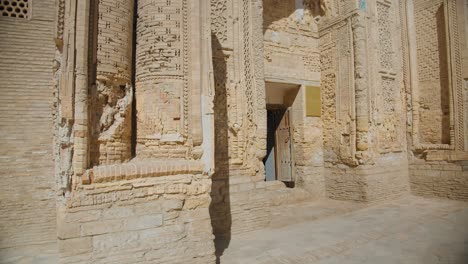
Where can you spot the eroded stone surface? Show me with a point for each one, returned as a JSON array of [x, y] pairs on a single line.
[[159, 119]]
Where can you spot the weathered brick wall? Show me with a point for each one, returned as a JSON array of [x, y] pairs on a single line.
[[145, 220], [112, 94], [308, 152], [241, 199], [363, 102], [291, 41], [439, 179], [464, 51], [246, 204], [433, 71], [385, 180], [292, 56], [253, 204], [27, 192], [437, 170]]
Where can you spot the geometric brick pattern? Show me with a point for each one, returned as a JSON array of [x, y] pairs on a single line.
[[430, 38], [15, 8]]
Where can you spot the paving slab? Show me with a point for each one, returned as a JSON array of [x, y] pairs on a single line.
[[410, 230]]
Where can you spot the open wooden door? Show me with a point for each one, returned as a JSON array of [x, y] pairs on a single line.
[[283, 147]]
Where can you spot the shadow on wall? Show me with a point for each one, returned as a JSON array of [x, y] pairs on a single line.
[[220, 207]]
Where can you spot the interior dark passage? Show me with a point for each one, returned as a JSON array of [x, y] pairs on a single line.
[[274, 116]]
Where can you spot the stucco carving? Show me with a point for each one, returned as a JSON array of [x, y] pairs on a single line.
[[457, 109], [219, 20], [387, 52], [113, 91], [319, 7], [141, 185]]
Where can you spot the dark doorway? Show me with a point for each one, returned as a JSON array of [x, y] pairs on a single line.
[[278, 161]]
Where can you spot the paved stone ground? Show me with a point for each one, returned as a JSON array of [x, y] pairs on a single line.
[[410, 230]]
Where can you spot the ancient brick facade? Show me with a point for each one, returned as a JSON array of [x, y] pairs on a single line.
[[27, 192], [137, 131]]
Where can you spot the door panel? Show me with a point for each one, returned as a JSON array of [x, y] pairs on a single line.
[[284, 149]]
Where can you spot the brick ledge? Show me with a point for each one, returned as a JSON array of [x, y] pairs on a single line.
[[140, 169], [449, 156]]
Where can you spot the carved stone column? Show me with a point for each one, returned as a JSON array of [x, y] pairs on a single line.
[[168, 79], [361, 82], [81, 129], [113, 93], [413, 71]]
